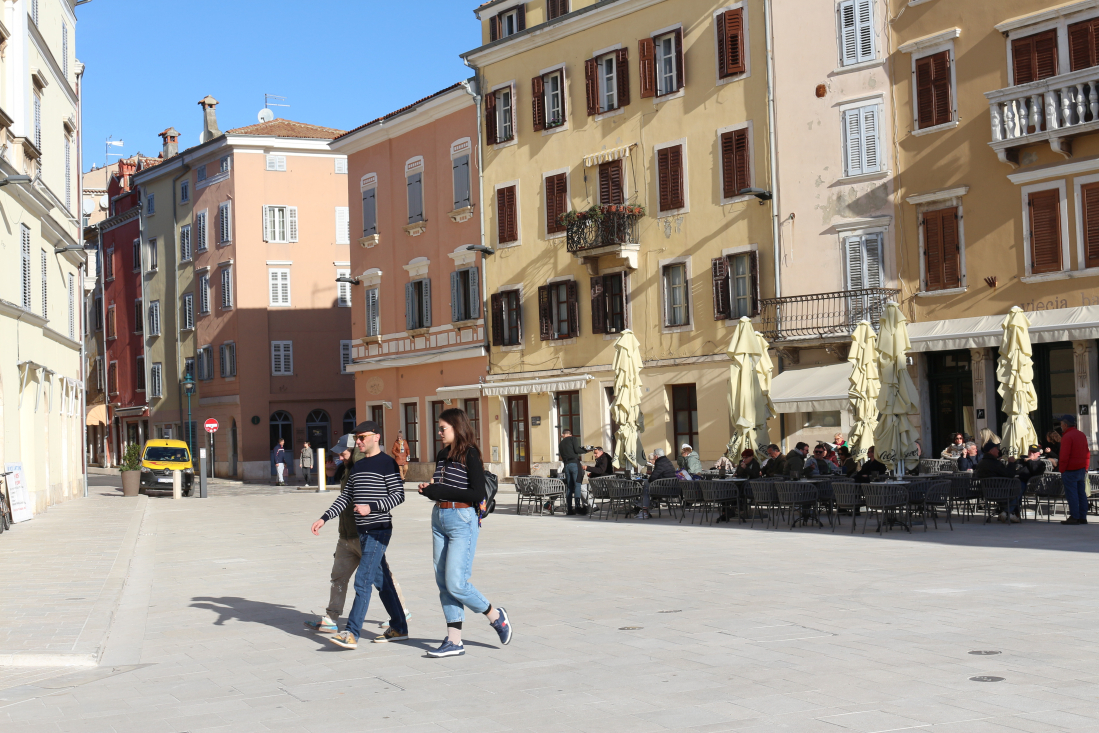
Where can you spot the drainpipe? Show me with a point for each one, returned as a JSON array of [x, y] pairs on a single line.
[[83, 270], [184, 429], [771, 117], [485, 313]]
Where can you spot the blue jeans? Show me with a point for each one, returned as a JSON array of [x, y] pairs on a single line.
[[1076, 493], [374, 571], [573, 482], [454, 541]]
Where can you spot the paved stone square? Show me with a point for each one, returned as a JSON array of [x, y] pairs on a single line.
[[632, 626]]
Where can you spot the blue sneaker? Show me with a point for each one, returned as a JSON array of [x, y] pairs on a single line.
[[323, 625], [502, 626], [446, 649]]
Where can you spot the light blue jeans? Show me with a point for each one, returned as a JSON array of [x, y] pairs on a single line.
[[454, 540]]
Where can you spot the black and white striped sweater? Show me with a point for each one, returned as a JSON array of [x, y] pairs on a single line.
[[376, 481]]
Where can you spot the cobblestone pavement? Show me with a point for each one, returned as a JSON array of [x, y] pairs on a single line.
[[631, 626]]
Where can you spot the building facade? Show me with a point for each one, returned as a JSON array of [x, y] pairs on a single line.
[[627, 179], [415, 173], [42, 273]]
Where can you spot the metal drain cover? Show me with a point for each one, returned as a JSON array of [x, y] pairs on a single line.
[[984, 653], [630, 628], [678, 610], [986, 678]]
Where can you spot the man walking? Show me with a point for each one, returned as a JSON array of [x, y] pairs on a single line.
[[400, 453], [280, 462], [374, 489], [305, 460], [1073, 463], [570, 451]]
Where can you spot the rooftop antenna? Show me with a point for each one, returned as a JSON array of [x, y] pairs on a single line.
[[265, 114], [111, 142]]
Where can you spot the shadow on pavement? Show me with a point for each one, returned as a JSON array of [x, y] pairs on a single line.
[[230, 608]]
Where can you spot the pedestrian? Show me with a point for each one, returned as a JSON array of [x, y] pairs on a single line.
[[689, 460], [374, 488], [280, 462], [991, 466], [1075, 455], [401, 453], [306, 461], [602, 465], [570, 450], [458, 490], [348, 555], [776, 462]]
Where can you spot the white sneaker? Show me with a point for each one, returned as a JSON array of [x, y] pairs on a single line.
[[1014, 519], [1003, 516]]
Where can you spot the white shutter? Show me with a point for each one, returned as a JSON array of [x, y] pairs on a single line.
[[852, 131], [280, 162], [343, 225], [343, 290], [271, 164], [287, 357], [225, 217], [872, 257], [266, 224], [204, 293], [865, 21], [185, 242], [26, 244], [871, 153], [372, 312], [856, 272], [341, 165], [227, 287], [276, 357], [72, 308], [284, 287], [849, 44], [45, 282], [292, 222], [345, 356]]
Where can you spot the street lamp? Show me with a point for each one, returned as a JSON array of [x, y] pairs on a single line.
[[20, 179], [188, 385], [759, 193]]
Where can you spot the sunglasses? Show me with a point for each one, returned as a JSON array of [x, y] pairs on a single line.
[[364, 436]]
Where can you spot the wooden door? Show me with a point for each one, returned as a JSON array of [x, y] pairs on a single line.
[[377, 414], [518, 435]]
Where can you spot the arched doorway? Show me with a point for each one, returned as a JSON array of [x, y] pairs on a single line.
[[318, 429], [282, 426], [349, 421]]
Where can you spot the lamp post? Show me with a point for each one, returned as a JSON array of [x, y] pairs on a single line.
[[189, 389]]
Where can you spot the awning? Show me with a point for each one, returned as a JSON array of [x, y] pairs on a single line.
[[537, 386], [97, 415], [812, 389], [462, 392], [1061, 324], [605, 156]]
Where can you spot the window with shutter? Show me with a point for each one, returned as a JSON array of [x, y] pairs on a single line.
[[111, 329], [292, 222], [224, 360], [669, 166], [225, 222], [415, 184], [155, 381], [622, 77], [343, 290], [1089, 200], [557, 202], [460, 167], [676, 309], [863, 261], [857, 38], [282, 358], [1034, 57], [491, 133], [108, 262], [862, 144], [934, 105], [1045, 231], [204, 293], [557, 8], [185, 243], [719, 271], [277, 163], [154, 318], [343, 225], [372, 315], [188, 316], [942, 249], [730, 43], [370, 212], [506, 215], [646, 67], [25, 243], [226, 287], [341, 165], [667, 72], [496, 309], [611, 184], [345, 356], [200, 231], [279, 285], [538, 102], [139, 374], [735, 162], [1083, 44], [545, 313], [139, 317]]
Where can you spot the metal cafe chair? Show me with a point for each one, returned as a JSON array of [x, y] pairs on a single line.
[[691, 498], [847, 495], [600, 491], [935, 497], [888, 503], [800, 500], [666, 492], [543, 492], [1047, 489], [996, 492], [718, 496], [764, 496], [624, 494]]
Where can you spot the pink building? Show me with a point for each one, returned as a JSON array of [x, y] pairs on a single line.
[[418, 316]]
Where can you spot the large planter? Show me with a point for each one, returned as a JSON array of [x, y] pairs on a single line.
[[131, 483]]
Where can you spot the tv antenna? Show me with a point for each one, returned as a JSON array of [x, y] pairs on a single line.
[[111, 142], [265, 114]]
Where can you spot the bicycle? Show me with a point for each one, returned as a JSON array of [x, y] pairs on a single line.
[[6, 520]]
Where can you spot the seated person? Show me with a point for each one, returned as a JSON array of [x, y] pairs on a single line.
[[819, 465], [848, 466], [689, 460], [1031, 466], [991, 467], [602, 465], [872, 466], [749, 466], [776, 462], [956, 447], [662, 467], [968, 461], [724, 462]]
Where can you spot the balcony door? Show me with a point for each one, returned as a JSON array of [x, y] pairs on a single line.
[[518, 435]]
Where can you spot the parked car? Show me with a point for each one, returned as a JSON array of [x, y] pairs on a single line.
[[160, 458]]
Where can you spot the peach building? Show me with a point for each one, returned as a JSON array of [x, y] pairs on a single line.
[[418, 313]]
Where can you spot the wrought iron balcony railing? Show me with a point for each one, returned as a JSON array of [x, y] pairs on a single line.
[[610, 228], [822, 314]]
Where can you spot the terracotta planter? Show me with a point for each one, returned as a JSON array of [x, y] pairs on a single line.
[[131, 483]]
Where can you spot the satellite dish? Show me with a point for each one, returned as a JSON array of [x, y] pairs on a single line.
[[88, 206], [265, 115], [104, 202]]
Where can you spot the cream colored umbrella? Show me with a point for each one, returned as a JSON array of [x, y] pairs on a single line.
[[627, 398], [864, 389], [1015, 372], [750, 403], [894, 436]]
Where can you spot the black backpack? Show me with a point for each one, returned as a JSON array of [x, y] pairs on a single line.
[[492, 484]]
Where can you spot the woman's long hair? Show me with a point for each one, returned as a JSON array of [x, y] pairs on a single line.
[[464, 437]]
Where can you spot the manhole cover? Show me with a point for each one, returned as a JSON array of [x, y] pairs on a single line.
[[75, 599], [678, 610], [984, 653], [986, 678], [630, 628]]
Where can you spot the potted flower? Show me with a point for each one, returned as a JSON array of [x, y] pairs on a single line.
[[131, 471]]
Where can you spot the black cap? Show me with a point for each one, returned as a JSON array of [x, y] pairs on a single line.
[[989, 446], [1034, 448], [368, 426]]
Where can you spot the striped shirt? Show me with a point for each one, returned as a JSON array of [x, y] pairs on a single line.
[[375, 481]]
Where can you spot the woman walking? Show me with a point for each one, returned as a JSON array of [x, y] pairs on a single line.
[[458, 490]]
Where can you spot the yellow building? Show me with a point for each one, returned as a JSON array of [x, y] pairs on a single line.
[[655, 114], [997, 119]]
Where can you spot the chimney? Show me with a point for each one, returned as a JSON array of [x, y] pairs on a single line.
[[171, 142], [209, 118]]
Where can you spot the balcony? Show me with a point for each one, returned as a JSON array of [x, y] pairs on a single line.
[[1052, 110], [604, 231], [822, 314]]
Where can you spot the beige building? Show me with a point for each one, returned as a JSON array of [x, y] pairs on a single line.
[[620, 139]]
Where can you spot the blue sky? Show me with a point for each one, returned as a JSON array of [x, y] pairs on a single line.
[[340, 63]]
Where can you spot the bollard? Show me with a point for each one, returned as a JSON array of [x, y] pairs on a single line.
[[202, 473], [322, 470], [177, 485]]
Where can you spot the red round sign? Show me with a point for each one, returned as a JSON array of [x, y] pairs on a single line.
[[211, 425]]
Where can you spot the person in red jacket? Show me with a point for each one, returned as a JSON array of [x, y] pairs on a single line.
[[1073, 463]]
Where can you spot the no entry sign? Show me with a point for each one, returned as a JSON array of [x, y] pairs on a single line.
[[211, 425]]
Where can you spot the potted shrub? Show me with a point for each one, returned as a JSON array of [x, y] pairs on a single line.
[[131, 471]]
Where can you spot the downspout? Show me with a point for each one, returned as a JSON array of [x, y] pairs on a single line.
[[773, 154], [83, 271], [175, 304], [485, 313], [100, 268]]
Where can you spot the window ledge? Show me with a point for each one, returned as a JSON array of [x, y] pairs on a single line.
[[613, 113], [947, 291], [468, 323], [562, 342], [413, 332], [507, 245], [416, 228], [555, 129], [556, 235], [186, 330], [677, 329], [937, 128], [513, 347], [670, 213], [464, 214], [858, 67], [1061, 275], [862, 177], [506, 143], [677, 94], [364, 340], [370, 241], [736, 199]]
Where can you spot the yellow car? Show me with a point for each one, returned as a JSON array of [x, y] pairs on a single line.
[[160, 458]]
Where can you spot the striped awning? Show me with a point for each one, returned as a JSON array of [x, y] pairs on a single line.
[[605, 156]]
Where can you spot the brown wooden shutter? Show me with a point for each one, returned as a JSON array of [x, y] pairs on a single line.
[[625, 299], [664, 178], [940, 66], [507, 224], [742, 159], [538, 102], [598, 306], [646, 67], [728, 174], [622, 75], [521, 18], [1045, 232], [611, 191], [1034, 57], [952, 275], [496, 305], [1089, 196], [1022, 57], [1083, 44], [719, 268], [669, 162], [490, 118], [591, 85], [494, 28], [730, 43], [557, 8], [753, 281], [680, 70], [556, 202], [545, 313], [933, 249], [925, 100], [573, 308]]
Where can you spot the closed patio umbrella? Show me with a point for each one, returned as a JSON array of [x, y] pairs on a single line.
[[627, 399], [864, 389], [749, 391], [894, 436], [1015, 372]]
